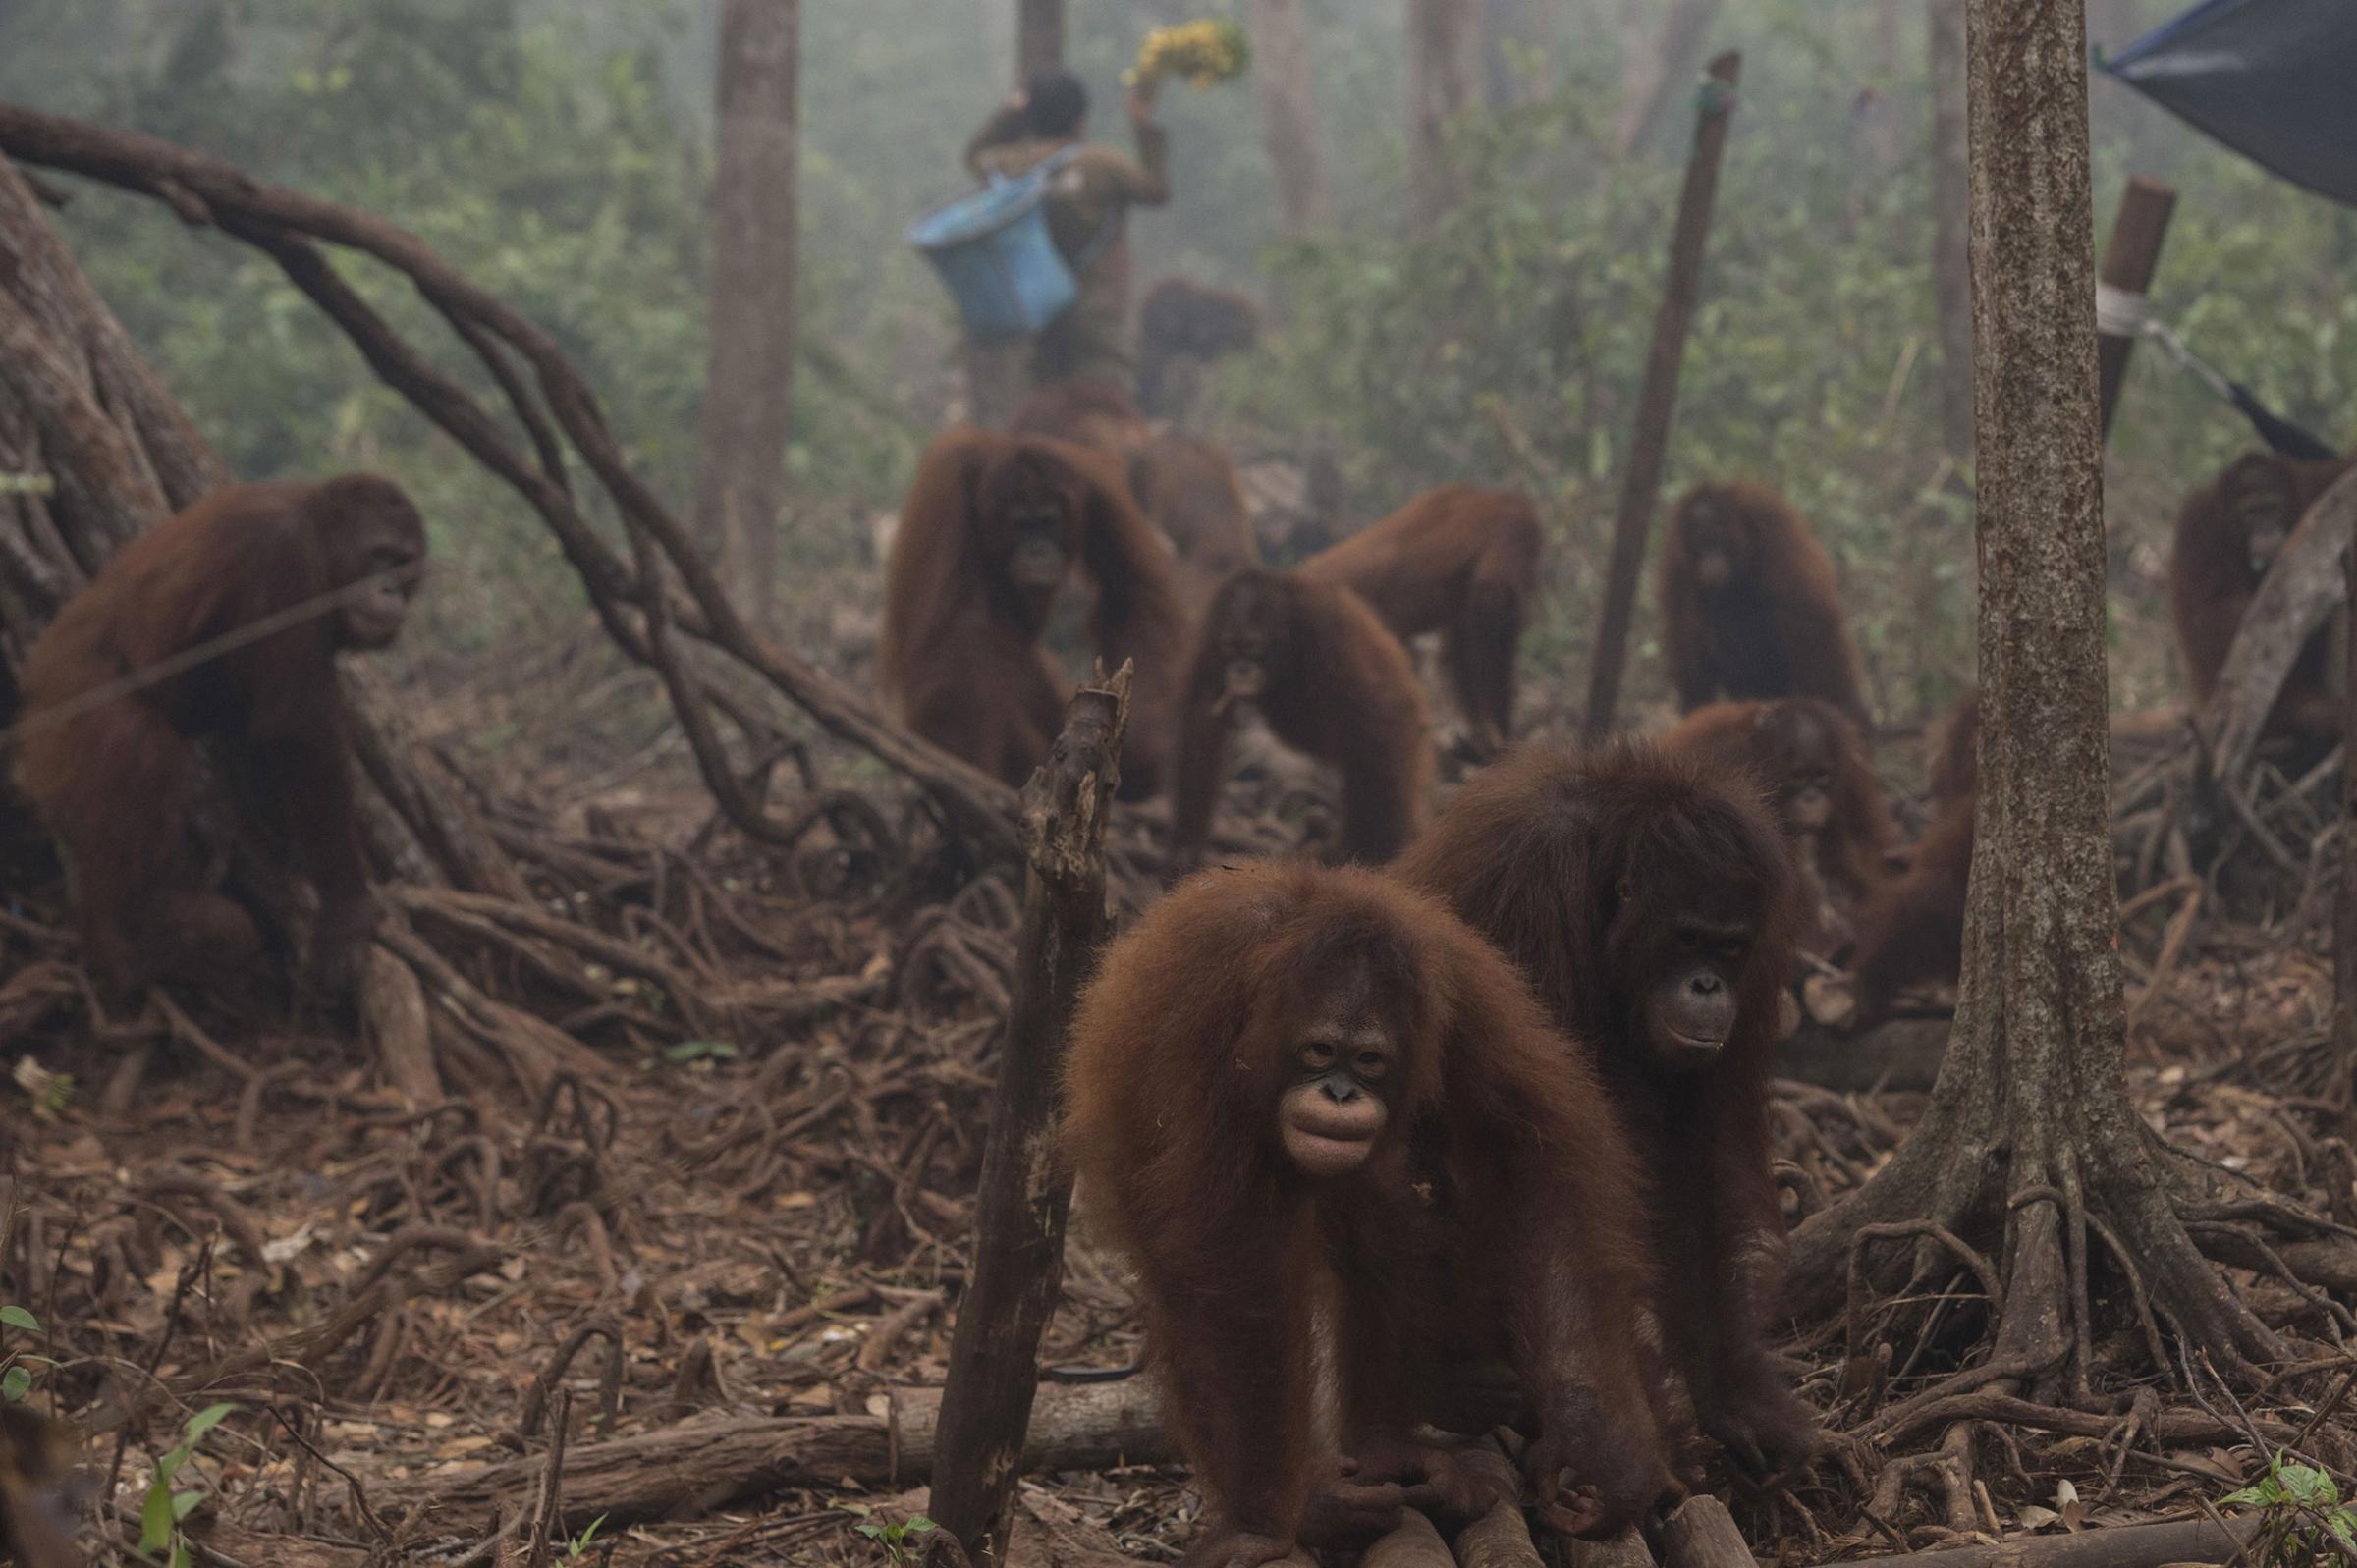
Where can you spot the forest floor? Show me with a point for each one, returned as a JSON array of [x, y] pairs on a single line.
[[758, 1228]]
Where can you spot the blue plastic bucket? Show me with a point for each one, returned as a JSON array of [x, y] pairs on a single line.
[[994, 251]]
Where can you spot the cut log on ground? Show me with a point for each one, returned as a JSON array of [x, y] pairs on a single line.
[[1501, 1538], [1414, 1544], [698, 1466], [1626, 1550], [1701, 1534]]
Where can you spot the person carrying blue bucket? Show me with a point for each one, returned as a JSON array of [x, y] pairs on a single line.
[[1079, 323]]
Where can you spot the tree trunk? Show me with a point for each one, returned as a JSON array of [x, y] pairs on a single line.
[[1289, 113], [2030, 1151], [748, 382], [1951, 217], [1038, 38], [1661, 50], [1440, 88]]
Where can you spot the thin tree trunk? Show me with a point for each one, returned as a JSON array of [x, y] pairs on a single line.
[[1289, 113], [2030, 1151], [1661, 52], [748, 382], [1952, 183], [1441, 34], [1038, 38]]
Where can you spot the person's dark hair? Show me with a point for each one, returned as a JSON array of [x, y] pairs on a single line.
[[1056, 103]]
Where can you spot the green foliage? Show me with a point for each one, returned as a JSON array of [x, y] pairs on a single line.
[[164, 1507], [577, 1546], [896, 1538], [694, 1050], [15, 1366], [2300, 1507]]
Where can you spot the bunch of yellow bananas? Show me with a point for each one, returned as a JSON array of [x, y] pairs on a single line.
[[1205, 53]]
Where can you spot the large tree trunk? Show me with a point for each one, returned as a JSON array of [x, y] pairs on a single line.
[[1289, 113], [1951, 197], [1038, 38], [2031, 1153], [748, 382], [1441, 34], [1661, 50]]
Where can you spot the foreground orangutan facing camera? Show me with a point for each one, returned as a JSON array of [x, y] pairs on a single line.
[[993, 529], [1331, 1128], [1749, 604], [1651, 899], [2227, 535], [113, 766]]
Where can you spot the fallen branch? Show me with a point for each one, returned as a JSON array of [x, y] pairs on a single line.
[[2127, 1546], [710, 1463]]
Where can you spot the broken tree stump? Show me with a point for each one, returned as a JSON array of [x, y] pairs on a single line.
[[1025, 1192]]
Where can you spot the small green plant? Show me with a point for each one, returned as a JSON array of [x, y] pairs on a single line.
[[688, 1050], [2299, 1506], [160, 1537], [896, 1539], [15, 1366], [579, 1547]]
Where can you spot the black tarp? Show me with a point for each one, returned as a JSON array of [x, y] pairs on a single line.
[[2274, 80]]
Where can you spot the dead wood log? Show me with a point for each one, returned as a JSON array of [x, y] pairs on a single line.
[[1020, 1206], [709, 1463], [1902, 1055], [1501, 1538], [2189, 1541], [1701, 1534], [1626, 1550], [1414, 1544], [663, 585]]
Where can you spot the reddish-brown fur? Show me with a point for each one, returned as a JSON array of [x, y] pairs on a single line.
[[1183, 326], [118, 782], [1499, 1199], [1773, 626], [1789, 748], [1460, 561], [1338, 687], [1952, 768], [961, 656], [2213, 577], [1593, 874], [1086, 410], [1914, 930], [1189, 490]]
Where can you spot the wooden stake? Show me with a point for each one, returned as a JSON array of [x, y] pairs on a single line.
[[2130, 258], [1019, 1210], [1657, 402]]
